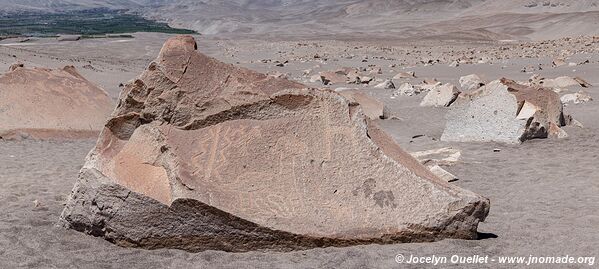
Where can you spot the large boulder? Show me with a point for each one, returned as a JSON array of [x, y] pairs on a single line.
[[203, 155], [45, 103], [505, 111]]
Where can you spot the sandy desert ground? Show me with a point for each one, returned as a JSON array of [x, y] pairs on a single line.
[[543, 192]]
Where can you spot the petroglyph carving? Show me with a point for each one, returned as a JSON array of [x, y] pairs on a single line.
[[253, 162]]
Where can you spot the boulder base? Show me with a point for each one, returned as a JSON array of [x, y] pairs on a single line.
[[203, 155]]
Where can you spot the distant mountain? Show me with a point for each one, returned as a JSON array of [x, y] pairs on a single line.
[[397, 19]]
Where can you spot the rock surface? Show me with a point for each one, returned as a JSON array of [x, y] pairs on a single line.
[[203, 155], [504, 111], [564, 82], [471, 82], [44, 103], [371, 107], [15, 66], [576, 98], [441, 96], [387, 84]]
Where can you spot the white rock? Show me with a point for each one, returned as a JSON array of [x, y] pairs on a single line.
[[404, 75], [387, 84], [471, 82], [576, 98], [406, 89], [442, 173], [441, 96]]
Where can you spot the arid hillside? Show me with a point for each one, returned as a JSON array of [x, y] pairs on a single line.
[[356, 19]]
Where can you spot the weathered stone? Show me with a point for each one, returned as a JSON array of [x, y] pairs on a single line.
[[316, 78], [44, 103], [504, 111], [203, 155], [563, 82], [406, 89], [404, 75], [441, 96], [576, 98], [387, 84], [333, 77], [365, 79], [371, 107], [471, 82], [443, 174], [442, 156], [558, 62]]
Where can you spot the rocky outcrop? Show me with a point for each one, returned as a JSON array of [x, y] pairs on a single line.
[[203, 155], [505, 111], [45, 103]]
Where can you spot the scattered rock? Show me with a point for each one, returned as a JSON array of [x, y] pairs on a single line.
[[443, 156], [576, 98], [317, 78], [431, 82], [333, 77], [365, 79], [558, 62], [471, 82], [405, 75], [406, 89], [375, 71], [255, 163], [387, 84], [371, 107], [441, 96], [504, 111], [443, 174], [279, 75], [562, 82]]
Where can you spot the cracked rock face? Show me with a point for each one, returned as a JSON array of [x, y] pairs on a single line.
[[50, 103], [505, 111], [203, 155]]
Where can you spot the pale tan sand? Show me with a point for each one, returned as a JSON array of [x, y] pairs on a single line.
[[544, 193]]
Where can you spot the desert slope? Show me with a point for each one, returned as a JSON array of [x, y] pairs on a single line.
[[361, 19]]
